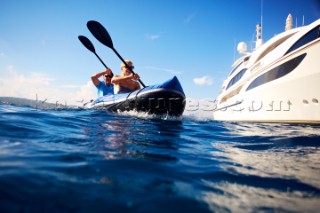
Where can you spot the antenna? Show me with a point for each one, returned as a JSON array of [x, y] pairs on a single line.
[[234, 49], [261, 17], [259, 40]]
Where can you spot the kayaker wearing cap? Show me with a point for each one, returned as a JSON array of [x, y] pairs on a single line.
[[126, 81], [104, 87]]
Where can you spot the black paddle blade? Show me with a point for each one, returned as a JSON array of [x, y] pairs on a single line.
[[100, 33], [87, 43]]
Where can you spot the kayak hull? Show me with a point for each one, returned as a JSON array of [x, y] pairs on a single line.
[[167, 98]]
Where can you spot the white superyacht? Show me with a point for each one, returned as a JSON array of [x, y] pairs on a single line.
[[279, 81]]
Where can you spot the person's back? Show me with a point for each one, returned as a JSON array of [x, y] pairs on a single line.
[[119, 90]]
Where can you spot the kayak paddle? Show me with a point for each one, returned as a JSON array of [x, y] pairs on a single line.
[[87, 43], [102, 35]]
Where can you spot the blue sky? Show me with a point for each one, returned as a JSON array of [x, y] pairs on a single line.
[[194, 40]]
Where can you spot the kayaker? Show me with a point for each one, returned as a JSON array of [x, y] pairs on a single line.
[[126, 81], [104, 87]]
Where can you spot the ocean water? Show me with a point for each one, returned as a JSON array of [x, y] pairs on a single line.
[[69, 160]]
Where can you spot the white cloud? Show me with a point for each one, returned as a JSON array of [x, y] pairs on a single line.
[[171, 71], [87, 91], [153, 36], [71, 86], [205, 80], [189, 18], [40, 85]]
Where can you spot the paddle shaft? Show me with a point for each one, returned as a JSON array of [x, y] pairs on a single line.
[[101, 61], [88, 44], [102, 35]]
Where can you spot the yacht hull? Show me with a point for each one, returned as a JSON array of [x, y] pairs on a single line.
[[292, 98]]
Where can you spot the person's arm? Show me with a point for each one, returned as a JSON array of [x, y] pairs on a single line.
[[137, 86], [95, 78], [117, 79]]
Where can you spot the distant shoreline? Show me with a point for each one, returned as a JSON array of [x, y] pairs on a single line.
[[37, 104]]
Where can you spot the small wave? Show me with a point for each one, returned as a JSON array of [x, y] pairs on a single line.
[[146, 115], [272, 129]]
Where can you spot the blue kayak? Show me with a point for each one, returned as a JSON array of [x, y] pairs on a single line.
[[167, 98]]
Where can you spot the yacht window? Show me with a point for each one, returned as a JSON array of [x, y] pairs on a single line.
[[244, 60], [236, 78], [277, 72], [235, 68], [310, 36]]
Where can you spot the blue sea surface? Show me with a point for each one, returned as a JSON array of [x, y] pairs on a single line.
[[72, 160]]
